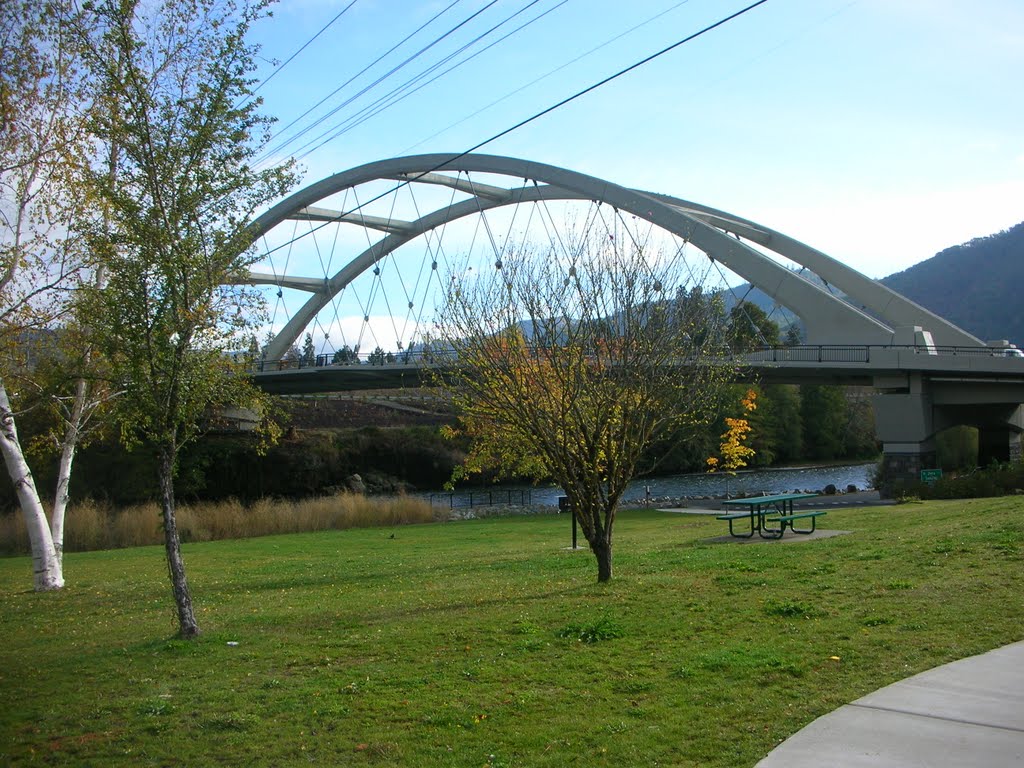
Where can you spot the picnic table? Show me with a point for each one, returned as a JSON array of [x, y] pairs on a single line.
[[763, 511]]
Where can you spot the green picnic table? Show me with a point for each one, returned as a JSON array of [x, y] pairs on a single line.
[[762, 511]]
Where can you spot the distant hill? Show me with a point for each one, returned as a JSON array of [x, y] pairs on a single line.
[[978, 285]]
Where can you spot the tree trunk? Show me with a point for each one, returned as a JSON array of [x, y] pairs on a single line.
[[46, 566], [603, 552], [69, 445], [187, 626]]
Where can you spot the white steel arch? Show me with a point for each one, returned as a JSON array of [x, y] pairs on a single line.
[[828, 318]]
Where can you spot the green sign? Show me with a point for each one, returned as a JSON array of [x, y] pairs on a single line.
[[930, 476]]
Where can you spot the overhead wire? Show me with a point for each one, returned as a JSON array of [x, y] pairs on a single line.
[[365, 69], [548, 74], [403, 91], [342, 126], [291, 58], [375, 83]]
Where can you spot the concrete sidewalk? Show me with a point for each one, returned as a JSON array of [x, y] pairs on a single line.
[[968, 713]]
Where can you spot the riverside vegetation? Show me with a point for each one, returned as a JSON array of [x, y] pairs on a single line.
[[481, 643], [93, 526], [394, 450]]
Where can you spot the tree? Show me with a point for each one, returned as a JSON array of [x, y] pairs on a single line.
[[175, 101], [568, 367], [291, 359], [344, 356], [779, 418], [859, 433], [733, 451], [43, 144], [308, 359], [794, 336], [750, 327], [823, 413]]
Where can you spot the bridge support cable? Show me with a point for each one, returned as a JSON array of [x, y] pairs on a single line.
[[827, 317], [884, 303]]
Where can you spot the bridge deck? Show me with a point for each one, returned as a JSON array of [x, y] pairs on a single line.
[[867, 365]]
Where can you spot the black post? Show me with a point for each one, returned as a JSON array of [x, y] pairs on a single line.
[[563, 506]]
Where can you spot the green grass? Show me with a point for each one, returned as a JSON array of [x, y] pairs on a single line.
[[485, 643]]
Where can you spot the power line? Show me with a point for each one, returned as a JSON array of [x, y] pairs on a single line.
[[372, 64], [610, 78], [548, 110], [376, 82], [403, 91], [288, 61], [548, 74]]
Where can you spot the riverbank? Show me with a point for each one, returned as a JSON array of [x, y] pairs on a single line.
[[674, 490]]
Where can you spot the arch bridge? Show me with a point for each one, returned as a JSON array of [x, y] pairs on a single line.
[[354, 261]]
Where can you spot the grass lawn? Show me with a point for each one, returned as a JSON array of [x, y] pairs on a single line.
[[460, 644]]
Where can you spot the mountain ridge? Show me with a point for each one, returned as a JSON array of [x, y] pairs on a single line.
[[976, 285]]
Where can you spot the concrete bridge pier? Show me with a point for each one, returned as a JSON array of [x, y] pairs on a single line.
[[905, 425]]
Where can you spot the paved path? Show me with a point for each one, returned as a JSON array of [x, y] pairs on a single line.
[[969, 713]]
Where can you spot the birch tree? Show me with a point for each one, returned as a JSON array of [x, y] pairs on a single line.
[[175, 102], [43, 144], [569, 367]]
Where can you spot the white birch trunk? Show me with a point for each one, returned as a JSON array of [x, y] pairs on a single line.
[[46, 566], [69, 446]]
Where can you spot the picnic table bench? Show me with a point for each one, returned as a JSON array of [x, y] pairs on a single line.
[[763, 511]]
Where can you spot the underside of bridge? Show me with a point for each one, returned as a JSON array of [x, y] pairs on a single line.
[[839, 307], [909, 414]]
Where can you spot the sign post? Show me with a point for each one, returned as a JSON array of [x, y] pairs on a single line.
[[564, 505]]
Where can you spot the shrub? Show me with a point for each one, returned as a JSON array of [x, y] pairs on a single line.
[[996, 480]]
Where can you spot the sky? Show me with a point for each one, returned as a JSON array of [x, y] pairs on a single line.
[[878, 131]]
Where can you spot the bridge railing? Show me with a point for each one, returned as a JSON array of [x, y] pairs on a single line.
[[804, 353], [862, 353], [809, 353], [334, 360]]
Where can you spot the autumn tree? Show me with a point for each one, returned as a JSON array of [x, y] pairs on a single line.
[[43, 258], [734, 450], [174, 79], [567, 366]]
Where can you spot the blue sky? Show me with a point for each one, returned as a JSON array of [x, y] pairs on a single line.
[[879, 131]]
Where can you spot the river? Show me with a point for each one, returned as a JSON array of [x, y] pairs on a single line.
[[677, 486]]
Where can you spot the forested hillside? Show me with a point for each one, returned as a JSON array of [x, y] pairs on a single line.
[[977, 285]]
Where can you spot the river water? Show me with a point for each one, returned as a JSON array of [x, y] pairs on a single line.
[[780, 480]]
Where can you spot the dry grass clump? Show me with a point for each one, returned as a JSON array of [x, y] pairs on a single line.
[[91, 525]]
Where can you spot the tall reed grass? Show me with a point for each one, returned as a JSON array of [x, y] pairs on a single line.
[[91, 525]]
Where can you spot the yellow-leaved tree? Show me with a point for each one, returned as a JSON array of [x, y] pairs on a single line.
[[567, 365], [733, 450]]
